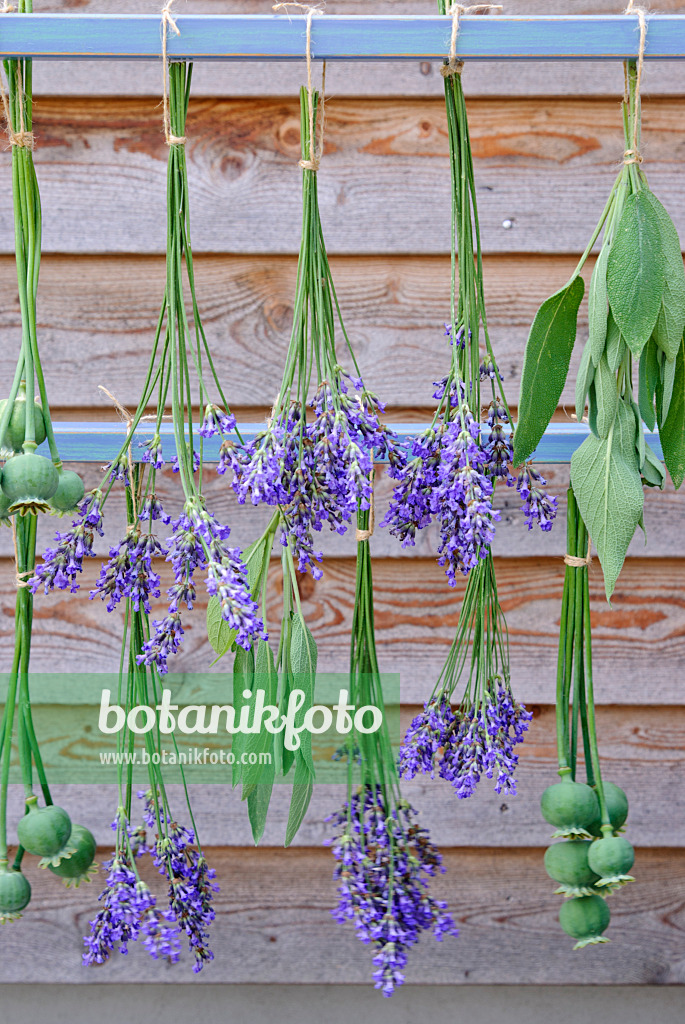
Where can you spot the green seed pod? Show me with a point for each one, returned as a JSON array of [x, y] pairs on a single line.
[[611, 857], [15, 434], [44, 830], [567, 863], [571, 807], [69, 493], [584, 919], [29, 481], [617, 806], [15, 893], [78, 867], [4, 506]]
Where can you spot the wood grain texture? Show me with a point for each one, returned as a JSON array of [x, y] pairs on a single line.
[[393, 306], [639, 650], [642, 750], [384, 185], [480, 79], [663, 517], [274, 924]]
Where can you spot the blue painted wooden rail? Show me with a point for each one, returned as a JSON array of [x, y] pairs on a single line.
[[334, 37], [100, 442], [339, 37]]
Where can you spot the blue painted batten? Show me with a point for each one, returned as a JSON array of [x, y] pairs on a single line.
[[101, 442], [339, 37]]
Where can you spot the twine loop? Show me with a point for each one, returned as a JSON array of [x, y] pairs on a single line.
[[315, 152], [632, 154], [168, 22], [127, 419], [22, 139], [453, 66], [578, 563], [20, 578]]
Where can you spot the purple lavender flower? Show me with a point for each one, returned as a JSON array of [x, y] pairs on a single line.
[[153, 452], [216, 421], [478, 740], [63, 562], [125, 901], [118, 469], [129, 572], [153, 510], [499, 450], [160, 935], [196, 462], [164, 642], [382, 860], [459, 336], [538, 507]]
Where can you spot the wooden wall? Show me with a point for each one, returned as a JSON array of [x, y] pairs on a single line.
[[547, 144]]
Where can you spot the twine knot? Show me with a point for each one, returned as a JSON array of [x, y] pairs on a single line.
[[168, 22], [575, 561], [453, 66], [315, 152], [632, 155]]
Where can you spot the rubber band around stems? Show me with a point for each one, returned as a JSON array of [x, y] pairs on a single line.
[[632, 155], [168, 22], [453, 65], [315, 152]]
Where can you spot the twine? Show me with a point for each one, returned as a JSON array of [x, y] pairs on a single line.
[[22, 138], [632, 154], [367, 534], [168, 23], [577, 563], [19, 577], [315, 152], [454, 66], [127, 419]]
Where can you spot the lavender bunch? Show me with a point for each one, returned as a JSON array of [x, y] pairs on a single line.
[[315, 454], [384, 859], [197, 541], [450, 471], [477, 738]]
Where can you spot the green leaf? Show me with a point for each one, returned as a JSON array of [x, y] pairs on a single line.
[[606, 394], [303, 660], [671, 320], [220, 635], [636, 271], [545, 366], [243, 677], [640, 442], [261, 743], [586, 373], [598, 306], [303, 787], [648, 380], [653, 473], [672, 433], [668, 377], [615, 347], [605, 477], [258, 802]]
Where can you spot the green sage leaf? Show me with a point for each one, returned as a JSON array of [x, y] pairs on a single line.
[[586, 373], [545, 366], [258, 801], [243, 677], [606, 394], [598, 306], [303, 659], [220, 635], [671, 319], [648, 381], [303, 787], [672, 433], [605, 477], [653, 473], [260, 745], [640, 442], [615, 347], [636, 271], [668, 375]]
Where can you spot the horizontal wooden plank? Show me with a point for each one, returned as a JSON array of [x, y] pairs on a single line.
[[642, 749], [274, 925], [664, 511], [394, 309], [384, 184], [90, 78], [639, 652]]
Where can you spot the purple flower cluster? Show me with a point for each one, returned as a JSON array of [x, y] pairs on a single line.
[[129, 911], [477, 740], [129, 572], [538, 507], [153, 452], [216, 421], [62, 562], [164, 642], [382, 860], [316, 471], [499, 448], [447, 478]]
